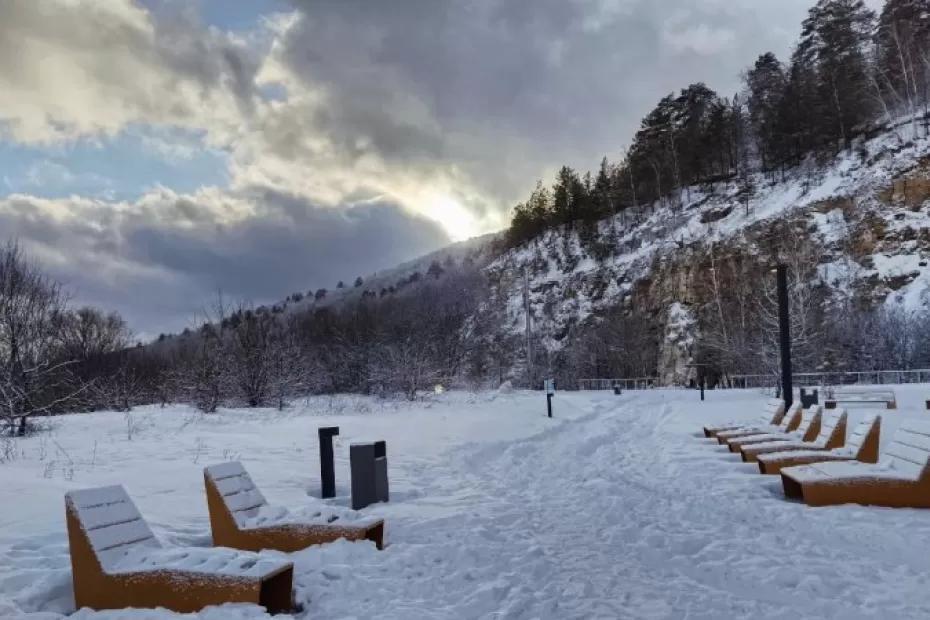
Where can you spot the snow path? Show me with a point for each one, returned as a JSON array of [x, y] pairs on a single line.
[[596, 519], [619, 508]]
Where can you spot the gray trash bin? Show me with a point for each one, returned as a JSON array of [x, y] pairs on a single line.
[[809, 398], [369, 473]]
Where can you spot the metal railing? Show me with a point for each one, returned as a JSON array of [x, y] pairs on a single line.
[[802, 379], [863, 377], [639, 383]]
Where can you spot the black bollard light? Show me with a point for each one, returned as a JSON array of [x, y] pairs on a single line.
[[550, 390], [327, 467]]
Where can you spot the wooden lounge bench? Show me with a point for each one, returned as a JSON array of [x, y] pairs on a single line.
[[807, 430], [901, 478], [862, 445], [241, 518], [861, 397], [117, 562], [832, 435], [772, 416], [789, 422]]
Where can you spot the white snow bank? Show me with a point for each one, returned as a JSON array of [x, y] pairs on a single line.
[[616, 508]]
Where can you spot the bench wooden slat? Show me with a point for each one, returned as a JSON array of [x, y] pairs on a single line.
[[226, 470], [908, 453], [87, 498], [247, 500], [860, 432], [235, 484], [829, 421], [106, 515], [119, 534]]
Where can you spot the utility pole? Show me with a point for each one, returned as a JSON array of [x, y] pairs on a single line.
[[529, 328], [785, 335]]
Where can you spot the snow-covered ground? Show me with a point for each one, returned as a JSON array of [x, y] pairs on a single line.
[[616, 508]]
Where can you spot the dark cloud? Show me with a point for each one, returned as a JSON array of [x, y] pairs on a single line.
[[161, 275], [509, 90]]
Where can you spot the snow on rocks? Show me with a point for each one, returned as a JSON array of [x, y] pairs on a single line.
[[677, 350]]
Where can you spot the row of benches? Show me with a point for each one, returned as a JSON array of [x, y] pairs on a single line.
[[820, 466], [117, 562]]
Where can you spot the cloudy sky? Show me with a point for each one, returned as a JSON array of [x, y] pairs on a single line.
[[154, 151]]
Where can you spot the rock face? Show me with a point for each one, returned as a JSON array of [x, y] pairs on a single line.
[[676, 350], [863, 221]]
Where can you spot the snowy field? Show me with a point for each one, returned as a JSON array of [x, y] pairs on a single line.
[[617, 508]]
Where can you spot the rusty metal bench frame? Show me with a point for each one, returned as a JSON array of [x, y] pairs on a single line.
[[789, 421], [901, 479], [230, 490], [832, 435], [772, 416], [862, 445], [94, 535], [807, 430]]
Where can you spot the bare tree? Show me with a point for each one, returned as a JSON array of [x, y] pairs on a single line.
[[248, 345], [203, 377], [34, 377], [290, 371], [122, 390], [407, 367], [88, 333]]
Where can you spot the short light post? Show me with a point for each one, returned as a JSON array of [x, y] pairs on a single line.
[[550, 390], [784, 329], [327, 467], [701, 377]]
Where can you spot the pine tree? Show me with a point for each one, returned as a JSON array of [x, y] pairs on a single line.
[[568, 196], [833, 41], [766, 83], [902, 42], [602, 197]]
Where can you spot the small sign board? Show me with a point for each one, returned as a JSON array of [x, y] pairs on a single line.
[[550, 386]]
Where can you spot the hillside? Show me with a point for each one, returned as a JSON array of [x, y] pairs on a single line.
[[476, 251], [865, 213], [682, 281]]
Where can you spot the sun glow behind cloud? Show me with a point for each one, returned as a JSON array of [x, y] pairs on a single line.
[[458, 222]]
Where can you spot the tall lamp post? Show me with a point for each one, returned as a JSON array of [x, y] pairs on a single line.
[[784, 335]]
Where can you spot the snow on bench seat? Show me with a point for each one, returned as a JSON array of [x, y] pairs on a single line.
[[901, 478], [789, 422], [213, 561], [862, 445], [807, 429], [862, 396], [251, 510], [123, 541], [112, 523], [117, 562], [771, 416], [240, 517], [832, 435]]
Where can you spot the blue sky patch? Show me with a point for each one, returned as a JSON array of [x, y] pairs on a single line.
[[119, 168]]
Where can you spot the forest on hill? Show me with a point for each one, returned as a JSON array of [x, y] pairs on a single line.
[[850, 71]]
